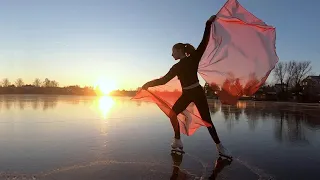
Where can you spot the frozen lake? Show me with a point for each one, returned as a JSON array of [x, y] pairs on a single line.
[[74, 137]]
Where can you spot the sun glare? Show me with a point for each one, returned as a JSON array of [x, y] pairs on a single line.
[[105, 86], [105, 105]]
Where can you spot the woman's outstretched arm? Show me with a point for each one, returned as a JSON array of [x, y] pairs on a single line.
[[205, 39], [163, 80]]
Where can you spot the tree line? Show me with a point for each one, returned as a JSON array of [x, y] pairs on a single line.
[[43, 87], [52, 87], [37, 83], [289, 77]]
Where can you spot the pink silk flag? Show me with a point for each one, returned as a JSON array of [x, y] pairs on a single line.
[[239, 57]]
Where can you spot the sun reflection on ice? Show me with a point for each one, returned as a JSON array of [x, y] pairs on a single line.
[[105, 105]]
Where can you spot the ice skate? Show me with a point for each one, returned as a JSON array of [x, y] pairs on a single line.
[[223, 152], [218, 167], [177, 146]]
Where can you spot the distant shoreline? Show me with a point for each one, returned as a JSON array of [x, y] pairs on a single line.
[[70, 90], [52, 94]]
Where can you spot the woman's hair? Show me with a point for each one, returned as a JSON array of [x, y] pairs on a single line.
[[185, 47]]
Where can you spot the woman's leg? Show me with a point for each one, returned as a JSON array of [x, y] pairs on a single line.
[[200, 100], [180, 105]]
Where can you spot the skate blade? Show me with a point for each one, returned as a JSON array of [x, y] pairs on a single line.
[[225, 156], [177, 151]]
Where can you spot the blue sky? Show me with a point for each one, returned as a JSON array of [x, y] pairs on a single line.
[[78, 42]]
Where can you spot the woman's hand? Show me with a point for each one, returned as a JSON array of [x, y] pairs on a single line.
[[145, 86], [212, 18]]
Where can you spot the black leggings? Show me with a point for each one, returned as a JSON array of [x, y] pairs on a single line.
[[197, 96]]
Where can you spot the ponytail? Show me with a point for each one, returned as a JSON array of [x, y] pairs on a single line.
[[186, 47]]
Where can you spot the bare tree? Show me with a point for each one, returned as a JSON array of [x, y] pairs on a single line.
[[19, 82], [54, 83], [279, 73], [37, 82], [49, 83], [290, 72], [46, 83], [302, 70], [6, 82]]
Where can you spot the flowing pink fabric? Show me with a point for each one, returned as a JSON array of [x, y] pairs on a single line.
[[239, 57]]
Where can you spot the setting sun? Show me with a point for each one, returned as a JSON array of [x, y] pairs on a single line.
[[105, 86]]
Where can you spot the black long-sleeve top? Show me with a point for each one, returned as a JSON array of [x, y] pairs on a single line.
[[186, 69]]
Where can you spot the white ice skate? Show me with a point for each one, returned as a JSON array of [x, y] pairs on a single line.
[[177, 146], [223, 151]]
